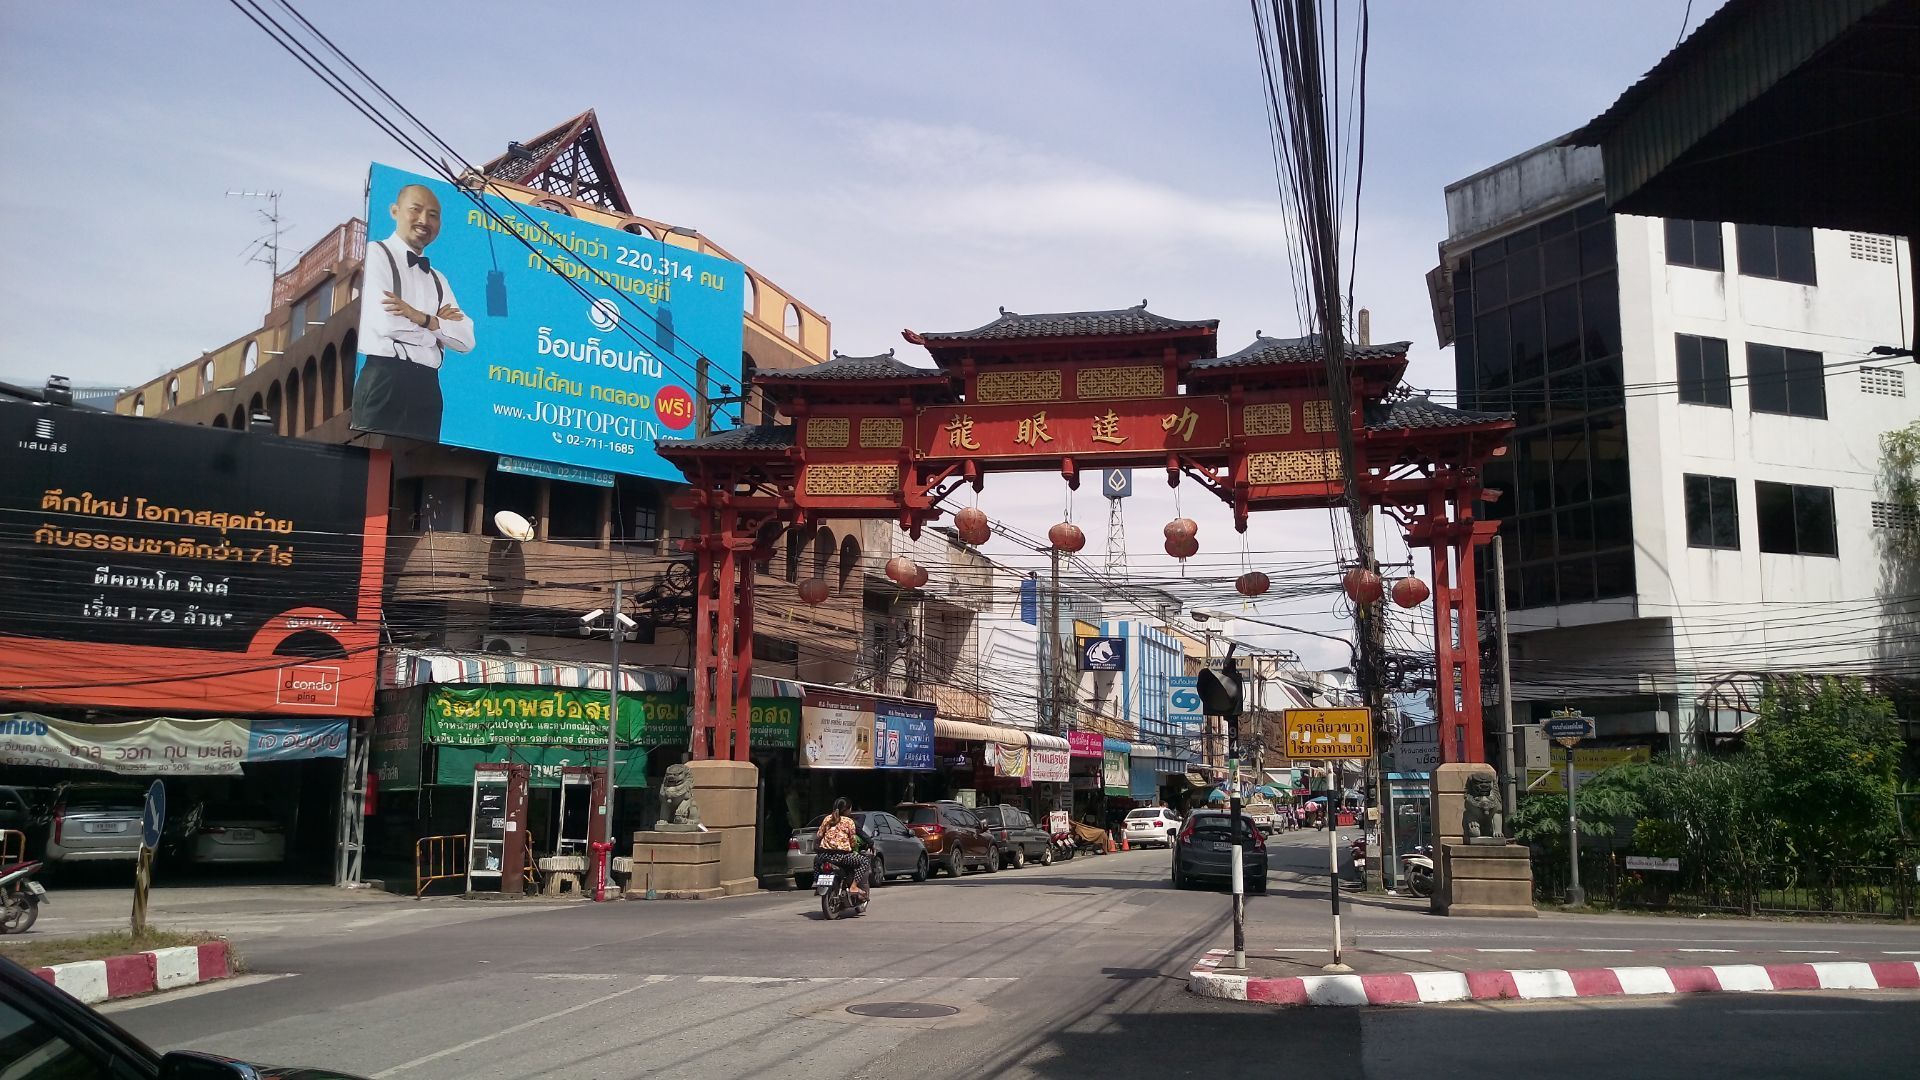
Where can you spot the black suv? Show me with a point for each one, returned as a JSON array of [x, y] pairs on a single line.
[[1018, 838]]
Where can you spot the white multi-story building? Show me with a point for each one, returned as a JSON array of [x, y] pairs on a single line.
[[1693, 495]]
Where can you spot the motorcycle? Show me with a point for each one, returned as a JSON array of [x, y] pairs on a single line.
[[834, 887], [1417, 867], [1064, 846], [20, 897]]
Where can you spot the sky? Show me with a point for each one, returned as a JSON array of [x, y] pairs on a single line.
[[894, 165]]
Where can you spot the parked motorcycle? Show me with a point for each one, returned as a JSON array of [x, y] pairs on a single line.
[[1417, 868], [834, 886], [20, 897], [1064, 846]]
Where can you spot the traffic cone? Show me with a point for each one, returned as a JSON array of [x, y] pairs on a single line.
[[1123, 842]]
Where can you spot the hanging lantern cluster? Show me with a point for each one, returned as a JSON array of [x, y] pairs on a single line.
[[906, 573], [1252, 583], [1183, 540], [814, 590], [1410, 592], [1363, 586], [971, 523], [1067, 537]]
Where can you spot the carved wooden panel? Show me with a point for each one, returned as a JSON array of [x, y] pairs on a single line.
[[1317, 415], [1275, 418], [853, 479], [1293, 467], [1002, 386], [828, 433], [882, 433], [1142, 380]]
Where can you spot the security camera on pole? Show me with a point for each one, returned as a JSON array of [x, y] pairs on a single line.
[[1220, 695]]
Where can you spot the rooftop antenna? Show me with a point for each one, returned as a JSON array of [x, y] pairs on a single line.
[[265, 249]]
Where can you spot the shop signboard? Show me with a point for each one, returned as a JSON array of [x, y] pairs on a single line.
[[1328, 733], [1086, 744], [165, 746], [174, 566], [1115, 774], [394, 755], [902, 735], [575, 716], [1050, 765], [455, 764], [1184, 709], [1589, 762], [1103, 654], [836, 730], [492, 346]]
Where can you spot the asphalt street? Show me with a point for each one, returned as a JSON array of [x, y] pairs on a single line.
[[1072, 970]]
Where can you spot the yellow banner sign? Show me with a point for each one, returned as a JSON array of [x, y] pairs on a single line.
[[1329, 733]]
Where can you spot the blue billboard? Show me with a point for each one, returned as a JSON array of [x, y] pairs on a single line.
[[902, 735], [468, 338]]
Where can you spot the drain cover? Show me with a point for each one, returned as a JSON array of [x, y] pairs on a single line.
[[902, 1010]]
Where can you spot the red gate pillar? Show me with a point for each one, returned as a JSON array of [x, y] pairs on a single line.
[[722, 664], [1453, 537]]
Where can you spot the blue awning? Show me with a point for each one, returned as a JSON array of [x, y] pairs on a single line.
[[1115, 746]]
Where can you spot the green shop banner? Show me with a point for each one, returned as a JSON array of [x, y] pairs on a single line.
[[454, 764], [571, 716]]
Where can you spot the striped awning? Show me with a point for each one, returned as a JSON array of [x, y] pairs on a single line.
[[1041, 741], [967, 731], [424, 667]]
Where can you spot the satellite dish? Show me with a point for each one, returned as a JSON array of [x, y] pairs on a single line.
[[513, 525]]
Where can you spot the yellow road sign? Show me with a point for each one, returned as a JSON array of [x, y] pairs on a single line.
[[1329, 733]]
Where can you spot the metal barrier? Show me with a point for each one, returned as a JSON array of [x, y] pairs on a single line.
[[13, 846], [438, 858]]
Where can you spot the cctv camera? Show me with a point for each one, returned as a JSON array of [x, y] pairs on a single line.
[[621, 617], [593, 616]]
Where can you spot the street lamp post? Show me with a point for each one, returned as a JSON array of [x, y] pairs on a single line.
[[616, 629]]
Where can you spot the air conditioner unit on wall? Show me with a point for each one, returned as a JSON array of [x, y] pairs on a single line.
[[505, 644]]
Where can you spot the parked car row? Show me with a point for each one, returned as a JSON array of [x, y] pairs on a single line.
[[80, 823], [920, 839]]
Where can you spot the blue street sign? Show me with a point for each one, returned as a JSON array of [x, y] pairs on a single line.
[[1184, 710], [1567, 729], [1116, 483], [153, 816]]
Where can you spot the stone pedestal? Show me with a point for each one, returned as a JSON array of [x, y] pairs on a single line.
[[676, 865], [728, 793], [1485, 880]]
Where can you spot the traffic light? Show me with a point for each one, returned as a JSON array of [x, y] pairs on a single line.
[[1220, 690]]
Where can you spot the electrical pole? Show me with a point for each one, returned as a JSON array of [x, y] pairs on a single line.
[[613, 727], [1511, 789], [1058, 653]]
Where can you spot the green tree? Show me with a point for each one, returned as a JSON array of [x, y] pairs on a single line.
[[1900, 482], [1830, 750]]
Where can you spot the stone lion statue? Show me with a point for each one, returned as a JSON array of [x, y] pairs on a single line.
[[1480, 818], [678, 811]]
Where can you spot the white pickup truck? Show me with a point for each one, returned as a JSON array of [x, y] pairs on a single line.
[[1262, 814]]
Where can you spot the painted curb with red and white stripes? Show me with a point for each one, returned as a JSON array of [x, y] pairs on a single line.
[[1535, 984], [94, 981]]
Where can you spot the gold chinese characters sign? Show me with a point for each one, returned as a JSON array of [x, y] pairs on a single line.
[[1328, 733], [1151, 426]]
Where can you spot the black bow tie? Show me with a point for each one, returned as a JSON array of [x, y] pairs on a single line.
[[421, 261]]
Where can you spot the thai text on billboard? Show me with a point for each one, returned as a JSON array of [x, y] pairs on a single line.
[[469, 338]]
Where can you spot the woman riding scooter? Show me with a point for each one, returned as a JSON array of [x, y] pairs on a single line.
[[838, 842]]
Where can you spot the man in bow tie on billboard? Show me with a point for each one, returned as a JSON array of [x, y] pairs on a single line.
[[408, 321]]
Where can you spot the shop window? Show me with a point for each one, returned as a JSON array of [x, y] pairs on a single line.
[[1791, 382], [442, 504], [1713, 512], [1781, 252], [1795, 519], [575, 511], [511, 491], [636, 506], [1702, 366], [1694, 243]]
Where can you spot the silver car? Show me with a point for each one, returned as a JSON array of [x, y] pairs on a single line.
[[239, 834], [95, 823], [895, 851]]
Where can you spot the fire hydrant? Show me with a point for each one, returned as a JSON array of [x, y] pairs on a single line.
[[602, 869]]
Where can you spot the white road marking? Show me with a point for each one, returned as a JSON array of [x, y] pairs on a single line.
[[1503, 950], [1403, 950], [1743, 978], [517, 1028], [1706, 950], [1542, 983], [1846, 976], [1607, 950], [1900, 952], [1810, 952]]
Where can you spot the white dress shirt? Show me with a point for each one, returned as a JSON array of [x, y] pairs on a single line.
[[387, 334]]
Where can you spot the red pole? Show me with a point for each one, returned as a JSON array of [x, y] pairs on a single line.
[[602, 865]]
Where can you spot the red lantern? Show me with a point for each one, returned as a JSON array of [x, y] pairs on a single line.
[[1410, 592], [919, 579], [1182, 527], [1252, 583], [972, 526], [814, 590], [1182, 547], [901, 569], [1363, 586], [1067, 537]]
